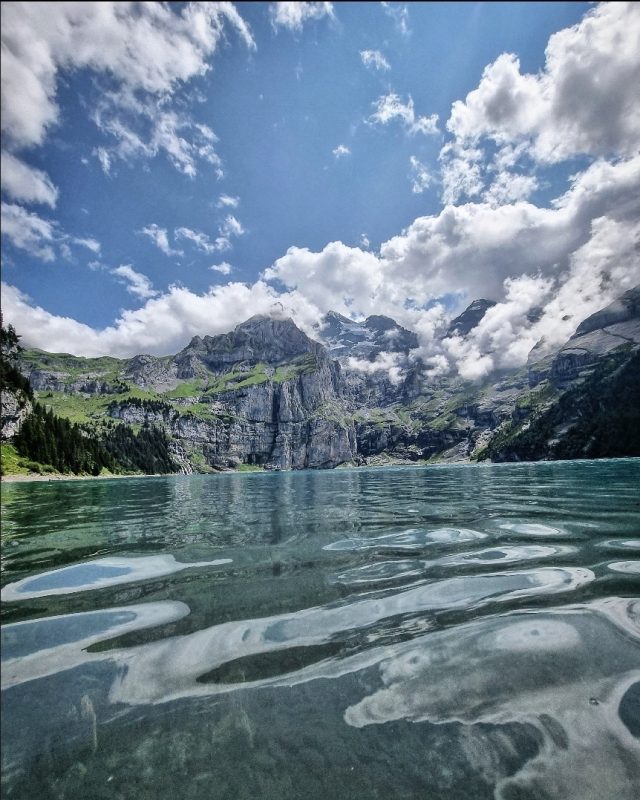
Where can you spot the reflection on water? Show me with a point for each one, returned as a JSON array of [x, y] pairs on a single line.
[[453, 632], [99, 574]]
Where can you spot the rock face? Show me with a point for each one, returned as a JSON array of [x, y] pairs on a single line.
[[15, 409], [268, 395], [259, 339], [470, 317]]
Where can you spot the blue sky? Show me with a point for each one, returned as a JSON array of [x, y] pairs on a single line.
[[320, 155]]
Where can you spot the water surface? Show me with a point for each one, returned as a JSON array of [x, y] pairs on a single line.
[[441, 632]]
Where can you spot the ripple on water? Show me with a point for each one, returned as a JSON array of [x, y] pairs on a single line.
[[532, 529], [412, 539], [629, 567], [98, 574], [585, 709], [37, 648], [405, 569]]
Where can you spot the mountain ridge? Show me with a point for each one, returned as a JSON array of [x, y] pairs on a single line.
[[266, 395]]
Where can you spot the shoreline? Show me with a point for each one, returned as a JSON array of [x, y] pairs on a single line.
[[41, 478]]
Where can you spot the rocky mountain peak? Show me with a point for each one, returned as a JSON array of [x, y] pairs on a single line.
[[261, 338], [470, 317], [345, 338]]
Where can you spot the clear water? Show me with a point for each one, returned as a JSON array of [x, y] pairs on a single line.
[[442, 632]]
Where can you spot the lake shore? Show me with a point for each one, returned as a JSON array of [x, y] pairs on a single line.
[[39, 478]]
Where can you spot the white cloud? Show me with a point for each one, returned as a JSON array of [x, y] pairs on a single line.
[[420, 176], [508, 187], [28, 231], [164, 324], [472, 248], [390, 107], [104, 158], [40, 237], [364, 241], [341, 150], [391, 363], [231, 227], [293, 15], [338, 278], [461, 172], [143, 130], [399, 13], [88, 242], [137, 283], [26, 183], [151, 49], [374, 60], [584, 101], [228, 201], [160, 238], [200, 240], [223, 268]]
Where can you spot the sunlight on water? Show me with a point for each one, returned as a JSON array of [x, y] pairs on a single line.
[[452, 632]]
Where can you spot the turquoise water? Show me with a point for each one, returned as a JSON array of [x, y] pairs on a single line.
[[441, 632]]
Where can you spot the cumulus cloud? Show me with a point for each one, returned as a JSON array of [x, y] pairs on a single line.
[[152, 50], [136, 283], [389, 107], [339, 278], [420, 176], [341, 150], [472, 248], [584, 100], [22, 182], [164, 324], [159, 236], [293, 15], [145, 51], [373, 59], [508, 187]]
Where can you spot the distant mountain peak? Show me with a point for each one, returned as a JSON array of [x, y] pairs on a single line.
[[470, 317], [344, 338]]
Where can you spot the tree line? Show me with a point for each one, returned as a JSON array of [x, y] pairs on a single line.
[[53, 441]]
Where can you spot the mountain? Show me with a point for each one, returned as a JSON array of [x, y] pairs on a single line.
[[470, 317], [266, 395], [345, 338]]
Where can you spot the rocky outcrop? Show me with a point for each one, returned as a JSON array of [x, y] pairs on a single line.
[[150, 372], [16, 407]]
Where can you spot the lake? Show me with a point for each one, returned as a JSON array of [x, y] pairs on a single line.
[[468, 631]]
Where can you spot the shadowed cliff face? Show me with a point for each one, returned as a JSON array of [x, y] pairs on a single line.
[[268, 395]]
